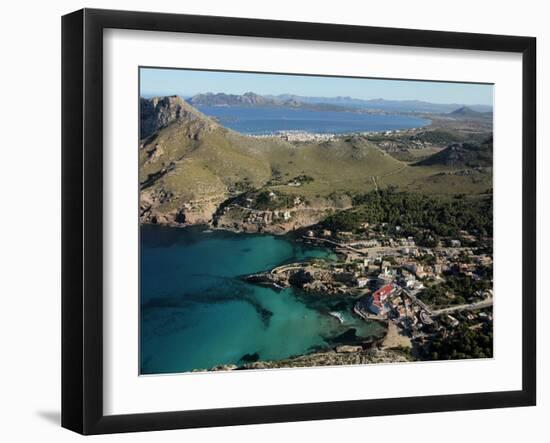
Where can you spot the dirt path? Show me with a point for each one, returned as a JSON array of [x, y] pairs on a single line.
[[394, 172], [375, 184]]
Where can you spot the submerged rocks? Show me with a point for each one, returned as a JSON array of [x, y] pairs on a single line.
[[250, 358], [349, 336]]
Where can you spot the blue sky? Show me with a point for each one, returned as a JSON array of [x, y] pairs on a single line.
[[158, 81]]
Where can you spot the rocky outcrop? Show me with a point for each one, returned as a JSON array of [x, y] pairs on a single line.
[[161, 206], [158, 206], [347, 349], [158, 112], [278, 222], [310, 277], [220, 368], [300, 278]]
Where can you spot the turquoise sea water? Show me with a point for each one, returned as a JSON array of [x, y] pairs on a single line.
[[266, 120], [197, 313]]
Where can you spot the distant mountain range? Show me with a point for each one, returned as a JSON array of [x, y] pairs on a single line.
[[251, 99], [330, 103], [221, 99], [383, 104]]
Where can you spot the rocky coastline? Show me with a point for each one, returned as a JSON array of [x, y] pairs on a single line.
[[342, 355], [219, 212]]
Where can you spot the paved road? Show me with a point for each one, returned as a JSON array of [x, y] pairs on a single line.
[[332, 242], [284, 268], [417, 302], [466, 307]]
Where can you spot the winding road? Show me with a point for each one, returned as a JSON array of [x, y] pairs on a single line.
[[466, 307]]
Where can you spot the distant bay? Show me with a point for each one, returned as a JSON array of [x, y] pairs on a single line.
[[268, 120], [196, 311]]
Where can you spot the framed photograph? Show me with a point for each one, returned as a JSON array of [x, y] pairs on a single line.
[[270, 221]]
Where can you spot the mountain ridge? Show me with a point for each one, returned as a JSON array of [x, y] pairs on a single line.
[[329, 103], [251, 99], [406, 105], [158, 112]]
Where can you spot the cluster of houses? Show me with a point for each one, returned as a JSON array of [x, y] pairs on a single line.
[[267, 217], [388, 272], [390, 301], [298, 136]]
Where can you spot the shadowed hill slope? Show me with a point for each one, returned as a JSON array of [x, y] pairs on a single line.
[[461, 155], [468, 113]]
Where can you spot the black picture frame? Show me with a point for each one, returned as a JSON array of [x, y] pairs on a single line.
[[82, 215]]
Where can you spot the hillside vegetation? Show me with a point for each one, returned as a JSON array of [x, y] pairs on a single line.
[[415, 212], [190, 167]]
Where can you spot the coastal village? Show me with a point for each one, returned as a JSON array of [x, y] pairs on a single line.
[[294, 136], [389, 277], [297, 136]]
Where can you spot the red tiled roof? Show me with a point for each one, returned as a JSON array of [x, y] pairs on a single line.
[[384, 291]]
